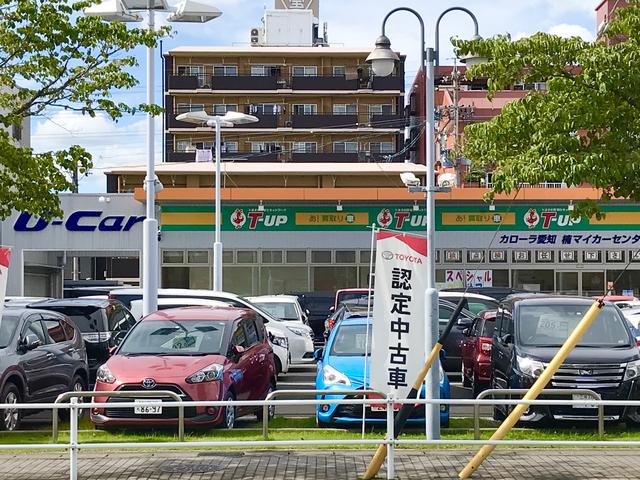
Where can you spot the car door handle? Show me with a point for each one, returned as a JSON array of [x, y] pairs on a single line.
[[50, 355]]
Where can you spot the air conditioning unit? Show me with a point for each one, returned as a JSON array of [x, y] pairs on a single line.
[[255, 36]]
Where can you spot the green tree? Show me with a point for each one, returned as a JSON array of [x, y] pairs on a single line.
[[584, 128], [53, 57]]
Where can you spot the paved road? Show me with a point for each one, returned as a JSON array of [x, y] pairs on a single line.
[[506, 464]]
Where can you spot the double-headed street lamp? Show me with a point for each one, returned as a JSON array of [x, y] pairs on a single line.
[[229, 119], [191, 11], [383, 61]]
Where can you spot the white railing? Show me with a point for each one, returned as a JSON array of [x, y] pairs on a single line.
[[389, 438]]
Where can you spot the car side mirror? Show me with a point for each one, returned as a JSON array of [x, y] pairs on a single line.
[[113, 349], [318, 354], [332, 309], [506, 339], [238, 349], [466, 332], [31, 342], [464, 323]]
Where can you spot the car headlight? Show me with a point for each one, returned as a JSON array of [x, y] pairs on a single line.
[[299, 331], [210, 373], [104, 375], [532, 368], [633, 370], [441, 371], [331, 376], [280, 341]]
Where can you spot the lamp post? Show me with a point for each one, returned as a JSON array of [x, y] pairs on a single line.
[[191, 11], [383, 60], [229, 119], [476, 36]]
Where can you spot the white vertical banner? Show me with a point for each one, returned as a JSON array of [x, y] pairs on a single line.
[[5, 256], [398, 348]]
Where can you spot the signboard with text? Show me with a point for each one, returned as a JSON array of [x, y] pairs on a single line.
[[468, 278], [398, 348]]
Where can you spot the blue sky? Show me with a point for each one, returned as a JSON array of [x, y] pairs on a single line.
[[351, 23]]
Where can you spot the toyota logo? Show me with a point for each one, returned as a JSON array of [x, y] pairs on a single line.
[[586, 372], [387, 255], [148, 383]]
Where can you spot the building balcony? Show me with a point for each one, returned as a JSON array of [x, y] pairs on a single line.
[[294, 157], [323, 82], [264, 121], [244, 82], [324, 121], [183, 82], [388, 83], [190, 157], [388, 121]]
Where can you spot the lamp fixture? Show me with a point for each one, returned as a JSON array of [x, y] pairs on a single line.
[[339, 207], [260, 207]]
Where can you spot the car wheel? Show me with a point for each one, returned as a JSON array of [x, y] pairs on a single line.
[[633, 418], [78, 385], [498, 415], [465, 381], [229, 412], [11, 417]]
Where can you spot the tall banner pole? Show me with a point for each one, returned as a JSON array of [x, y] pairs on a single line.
[[370, 320]]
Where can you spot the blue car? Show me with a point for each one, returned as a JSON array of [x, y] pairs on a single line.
[[341, 367]]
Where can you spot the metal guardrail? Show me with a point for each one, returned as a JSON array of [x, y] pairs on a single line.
[[277, 393], [74, 446], [63, 397], [523, 391]]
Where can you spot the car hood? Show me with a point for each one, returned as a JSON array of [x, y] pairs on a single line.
[[160, 368], [352, 367], [585, 355]]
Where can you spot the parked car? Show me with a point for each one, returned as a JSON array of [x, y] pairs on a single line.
[[103, 324], [11, 301], [355, 307], [633, 315], [318, 304], [622, 301], [200, 353], [498, 293], [528, 333], [345, 294], [41, 356], [341, 367], [298, 336], [473, 302], [279, 344], [452, 362], [476, 352], [283, 307]]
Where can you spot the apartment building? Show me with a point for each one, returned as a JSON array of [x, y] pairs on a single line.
[[314, 104]]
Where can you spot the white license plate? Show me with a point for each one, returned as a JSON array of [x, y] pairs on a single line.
[[383, 408], [578, 396], [148, 409]]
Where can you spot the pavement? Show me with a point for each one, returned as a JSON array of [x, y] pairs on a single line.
[[506, 464]]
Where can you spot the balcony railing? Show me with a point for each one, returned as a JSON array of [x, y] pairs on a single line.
[[324, 121], [293, 157]]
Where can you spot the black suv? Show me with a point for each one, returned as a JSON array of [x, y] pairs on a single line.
[[529, 330], [103, 324], [41, 356]]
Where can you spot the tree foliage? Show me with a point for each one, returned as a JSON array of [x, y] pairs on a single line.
[[584, 128], [53, 57]]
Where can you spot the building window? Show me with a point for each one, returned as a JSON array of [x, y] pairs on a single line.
[[16, 132], [225, 70], [345, 256], [339, 71], [365, 256], [264, 109], [229, 147], [381, 109], [305, 71], [272, 256], [321, 256], [304, 147], [173, 256], [262, 147], [222, 108], [305, 109], [184, 146], [296, 256], [189, 107], [192, 71], [198, 256], [345, 109], [246, 256], [345, 147], [382, 147], [265, 70]]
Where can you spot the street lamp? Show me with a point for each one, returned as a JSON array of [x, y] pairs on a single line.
[[125, 11], [471, 59], [380, 59], [229, 119]]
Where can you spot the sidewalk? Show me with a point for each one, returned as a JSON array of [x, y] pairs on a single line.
[[507, 464]]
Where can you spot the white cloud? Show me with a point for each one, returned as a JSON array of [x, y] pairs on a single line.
[[567, 30]]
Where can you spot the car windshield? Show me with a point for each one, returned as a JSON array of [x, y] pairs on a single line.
[[7, 329], [346, 296], [281, 310], [550, 325], [171, 337], [351, 341], [88, 319]]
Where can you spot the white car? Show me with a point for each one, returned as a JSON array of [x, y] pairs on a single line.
[[474, 302], [279, 344], [298, 336], [632, 314]]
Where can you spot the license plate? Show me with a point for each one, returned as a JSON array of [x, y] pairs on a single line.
[[578, 396], [148, 409], [383, 407]]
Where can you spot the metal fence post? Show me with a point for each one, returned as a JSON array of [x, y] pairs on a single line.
[[391, 466], [476, 420], [73, 439], [600, 420], [265, 421], [181, 422]]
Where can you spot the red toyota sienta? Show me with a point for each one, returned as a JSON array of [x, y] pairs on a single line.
[[200, 353]]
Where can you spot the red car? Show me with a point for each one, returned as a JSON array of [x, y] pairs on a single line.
[[475, 349], [200, 353]]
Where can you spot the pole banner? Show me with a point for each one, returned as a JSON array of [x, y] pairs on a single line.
[[398, 348], [5, 256]]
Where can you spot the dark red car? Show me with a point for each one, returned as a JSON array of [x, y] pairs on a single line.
[[475, 349], [200, 353]]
